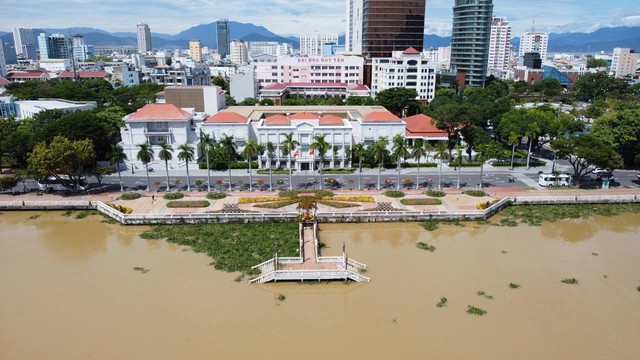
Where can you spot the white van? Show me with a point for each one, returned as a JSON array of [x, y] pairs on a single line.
[[547, 180]]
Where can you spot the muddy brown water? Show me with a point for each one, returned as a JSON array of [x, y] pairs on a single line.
[[68, 291]]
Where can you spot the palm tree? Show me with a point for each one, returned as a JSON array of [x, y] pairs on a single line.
[[230, 150], [514, 140], [271, 153], [379, 149], [250, 150], [206, 144], [186, 154], [165, 154], [358, 153], [418, 150], [116, 156], [401, 152], [458, 162], [487, 151], [320, 145], [531, 133], [442, 154], [288, 146], [145, 155]]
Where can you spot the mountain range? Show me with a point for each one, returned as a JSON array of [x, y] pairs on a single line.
[[603, 39]]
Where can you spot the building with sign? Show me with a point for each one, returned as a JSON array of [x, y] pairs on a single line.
[[409, 69]]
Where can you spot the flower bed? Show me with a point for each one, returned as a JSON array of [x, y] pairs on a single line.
[[436, 193], [427, 201], [338, 204], [216, 195], [188, 204], [394, 193], [130, 196], [475, 193], [294, 193], [173, 196], [362, 198], [486, 205], [123, 209], [277, 204], [258, 199]]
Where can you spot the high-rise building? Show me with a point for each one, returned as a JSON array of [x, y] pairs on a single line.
[[25, 42], [274, 48], [239, 52], [3, 62], [81, 51], [223, 37], [470, 39], [375, 28], [534, 42], [410, 69], [195, 50], [144, 38], [500, 44], [54, 46], [312, 44], [624, 63]]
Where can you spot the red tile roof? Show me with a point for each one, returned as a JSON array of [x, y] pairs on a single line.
[[3, 81], [380, 116], [277, 120], [422, 125], [331, 120], [160, 112], [227, 117], [411, 51], [304, 116], [84, 74], [29, 74]]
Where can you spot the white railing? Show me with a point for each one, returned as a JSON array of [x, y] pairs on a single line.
[[356, 264]]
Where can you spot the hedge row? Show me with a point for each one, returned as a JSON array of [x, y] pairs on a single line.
[[519, 163], [188, 204]]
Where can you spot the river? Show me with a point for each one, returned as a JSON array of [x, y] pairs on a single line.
[[68, 291]]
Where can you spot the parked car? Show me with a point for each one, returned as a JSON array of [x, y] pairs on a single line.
[[638, 176]]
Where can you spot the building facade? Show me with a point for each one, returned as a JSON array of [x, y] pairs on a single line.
[[353, 35], [243, 84], [280, 92], [54, 46], [3, 63], [410, 69], [470, 39], [534, 42], [274, 48], [323, 69], [144, 38], [499, 45], [239, 52], [203, 99], [624, 62], [223, 37], [81, 51], [195, 50], [25, 42], [312, 44]]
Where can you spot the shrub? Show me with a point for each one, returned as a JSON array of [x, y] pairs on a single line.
[[465, 164], [519, 163], [173, 195], [122, 209], [130, 196], [219, 182], [424, 246], [430, 225], [442, 302], [337, 171], [279, 181], [415, 165], [257, 199], [394, 193], [486, 205], [514, 285], [199, 182], [571, 281], [408, 181], [277, 204], [188, 204], [428, 201], [337, 204], [362, 198], [242, 165], [260, 182], [475, 193], [475, 310], [216, 195], [295, 193], [436, 193]]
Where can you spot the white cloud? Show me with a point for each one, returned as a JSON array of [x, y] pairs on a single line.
[[633, 20]]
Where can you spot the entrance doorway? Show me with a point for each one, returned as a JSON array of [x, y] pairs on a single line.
[[304, 166]]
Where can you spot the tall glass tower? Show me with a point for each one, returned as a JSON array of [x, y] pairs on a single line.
[[223, 37], [470, 39]]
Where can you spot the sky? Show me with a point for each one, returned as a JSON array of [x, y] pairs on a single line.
[[292, 17]]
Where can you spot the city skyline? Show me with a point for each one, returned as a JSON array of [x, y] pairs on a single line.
[[305, 15]]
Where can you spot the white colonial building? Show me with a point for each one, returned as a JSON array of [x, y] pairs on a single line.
[[409, 68]]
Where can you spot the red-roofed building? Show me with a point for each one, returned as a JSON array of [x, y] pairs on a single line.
[[298, 90], [4, 82], [381, 116], [423, 127], [83, 74], [331, 120], [159, 112], [277, 120], [304, 116], [228, 123], [22, 76], [411, 51]]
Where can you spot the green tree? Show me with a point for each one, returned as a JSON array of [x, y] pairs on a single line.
[[320, 145], [61, 158], [187, 154], [621, 131], [488, 151], [359, 152], [165, 154], [250, 150], [585, 151], [550, 87], [593, 63], [289, 145], [221, 82], [116, 156], [514, 140], [266, 102], [458, 162], [379, 149], [271, 153], [101, 171], [397, 99], [400, 151], [441, 154], [599, 85], [7, 127], [230, 152], [418, 151], [532, 133], [206, 145], [8, 182], [249, 102], [360, 100], [145, 155]]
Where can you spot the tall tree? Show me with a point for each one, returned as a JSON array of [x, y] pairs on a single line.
[[145, 155], [288, 145], [379, 151], [585, 151], [186, 154], [271, 153], [359, 152], [398, 99], [532, 133], [418, 151], [320, 145], [458, 162], [165, 154], [250, 150], [116, 156], [206, 145], [63, 159], [400, 151], [514, 140], [441, 153], [487, 151], [229, 149]]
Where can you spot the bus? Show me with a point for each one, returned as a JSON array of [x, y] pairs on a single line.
[[547, 180], [52, 184]]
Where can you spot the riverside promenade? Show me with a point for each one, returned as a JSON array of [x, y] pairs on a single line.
[[352, 205]]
